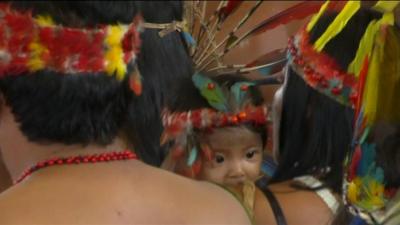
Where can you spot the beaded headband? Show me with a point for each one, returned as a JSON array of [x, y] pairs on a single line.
[[205, 119], [320, 71], [29, 44]]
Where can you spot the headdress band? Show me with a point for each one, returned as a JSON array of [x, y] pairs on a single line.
[[29, 44]]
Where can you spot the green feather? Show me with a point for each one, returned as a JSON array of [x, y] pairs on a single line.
[[214, 96]]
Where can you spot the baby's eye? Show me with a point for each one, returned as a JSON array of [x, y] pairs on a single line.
[[250, 154], [219, 158]]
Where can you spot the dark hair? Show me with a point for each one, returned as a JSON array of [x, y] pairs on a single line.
[[316, 131], [94, 108], [194, 100]]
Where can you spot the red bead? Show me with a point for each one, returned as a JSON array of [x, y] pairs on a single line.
[[211, 86], [336, 91], [244, 87], [242, 115], [308, 70], [301, 62], [78, 159], [324, 83], [336, 73], [234, 119]]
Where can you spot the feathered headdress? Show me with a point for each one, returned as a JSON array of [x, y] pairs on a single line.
[[228, 108], [29, 44], [369, 85], [208, 51]]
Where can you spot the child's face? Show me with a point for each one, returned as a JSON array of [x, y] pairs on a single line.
[[237, 156]]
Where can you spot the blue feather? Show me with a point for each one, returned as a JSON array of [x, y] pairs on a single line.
[[192, 156], [189, 39], [238, 93], [268, 166], [265, 71], [358, 221], [367, 159]]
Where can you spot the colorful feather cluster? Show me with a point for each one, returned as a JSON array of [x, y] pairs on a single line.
[[29, 44], [366, 179], [379, 93], [210, 50], [321, 71], [210, 91]]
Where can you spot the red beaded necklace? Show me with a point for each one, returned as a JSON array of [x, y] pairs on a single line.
[[95, 158]]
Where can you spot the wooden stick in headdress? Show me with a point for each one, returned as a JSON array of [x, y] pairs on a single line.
[[299, 11]]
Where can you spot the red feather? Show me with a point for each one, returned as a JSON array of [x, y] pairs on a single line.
[[362, 78], [135, 83], [196, 167], [177, 152], [229, 9], [296, 12], [354, 163], [207, 153]]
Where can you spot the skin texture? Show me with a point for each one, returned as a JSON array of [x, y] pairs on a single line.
[[5, 179], [119, 192], [237, 156]]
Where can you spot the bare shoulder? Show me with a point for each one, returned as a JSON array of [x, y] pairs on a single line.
[[197, 202], [262, 210], [140, 195], [12, 207], [291, 200]]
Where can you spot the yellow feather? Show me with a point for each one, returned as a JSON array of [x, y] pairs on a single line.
[[364, 49], [44, 20], [382, 74], [316, 17], [385, 6], [338, 24], [35, 61], [353, 190], [114, 55]]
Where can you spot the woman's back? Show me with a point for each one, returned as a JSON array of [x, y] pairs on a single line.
[[114, 193]]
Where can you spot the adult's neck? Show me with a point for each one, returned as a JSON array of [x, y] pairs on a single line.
[[19, 153]]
